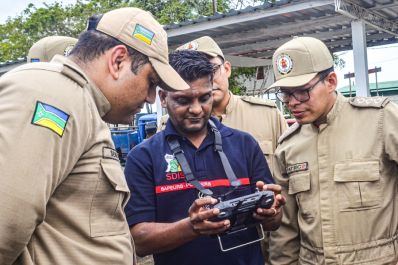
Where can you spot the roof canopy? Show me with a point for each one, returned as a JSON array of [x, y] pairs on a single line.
[[256, 32]]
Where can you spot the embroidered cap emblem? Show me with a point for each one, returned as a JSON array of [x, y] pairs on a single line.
[[284, 64], [192, 45], [68, 49], [143, 34]]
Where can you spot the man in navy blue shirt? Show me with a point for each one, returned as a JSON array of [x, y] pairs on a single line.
[[167, 216]]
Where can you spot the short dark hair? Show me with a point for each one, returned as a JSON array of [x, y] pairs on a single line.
[[326, 71], [92, 44], [191, 65]]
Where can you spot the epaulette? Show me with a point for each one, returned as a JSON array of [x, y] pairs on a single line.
[[369, 102], [293, 128], [258, 101], [34, 66]]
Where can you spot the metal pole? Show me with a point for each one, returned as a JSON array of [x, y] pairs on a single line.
[[360, 58], [377, 85], [349, 80]]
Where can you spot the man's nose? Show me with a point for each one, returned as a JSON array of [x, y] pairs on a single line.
[[195, 107], [292, 101]]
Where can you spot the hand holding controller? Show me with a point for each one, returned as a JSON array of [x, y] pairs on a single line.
[[240, 210]]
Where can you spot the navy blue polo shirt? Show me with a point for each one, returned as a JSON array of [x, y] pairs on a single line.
[[159, 192]]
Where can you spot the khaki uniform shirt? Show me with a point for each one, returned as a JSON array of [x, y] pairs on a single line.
[[62, 189], [341, 185], [258, 117]]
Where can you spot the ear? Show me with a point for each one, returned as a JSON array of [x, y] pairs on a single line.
[[117, 60], [228, 68], [162, 95], [331, 80]]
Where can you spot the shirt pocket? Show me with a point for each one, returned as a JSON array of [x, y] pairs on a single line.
[[268, 151], [266, 147], [358, 185], [300, 186], [111, 194]]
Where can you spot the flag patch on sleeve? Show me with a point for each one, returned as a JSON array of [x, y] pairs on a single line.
[[143, 34], [50, 117]]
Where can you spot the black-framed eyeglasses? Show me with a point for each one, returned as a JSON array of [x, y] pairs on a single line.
[[300, 94]]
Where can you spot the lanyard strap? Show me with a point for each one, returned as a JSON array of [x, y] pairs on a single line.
[[224, 160], [190, 178]]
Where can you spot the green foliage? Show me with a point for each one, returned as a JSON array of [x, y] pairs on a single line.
[[19, 33], [338, 62], [238, 77]]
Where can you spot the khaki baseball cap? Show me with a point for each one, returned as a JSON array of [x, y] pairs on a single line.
[[139, 30], [203, 44], [46, 48], [299, 60]]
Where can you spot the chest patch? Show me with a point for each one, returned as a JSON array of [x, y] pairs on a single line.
[[297, 167], [172, 164]]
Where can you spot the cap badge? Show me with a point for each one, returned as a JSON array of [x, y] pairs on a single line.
[[143, 34], [284, 64], [68, 49], [192, 45]]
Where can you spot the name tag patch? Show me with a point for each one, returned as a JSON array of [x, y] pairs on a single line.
[[110, 153], [297, 167]]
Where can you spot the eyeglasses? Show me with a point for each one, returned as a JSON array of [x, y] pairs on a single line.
[[301, 95]]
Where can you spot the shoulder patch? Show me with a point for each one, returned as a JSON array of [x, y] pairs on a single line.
[[259, 101], [369, 102], [50, 117], [291, 130]]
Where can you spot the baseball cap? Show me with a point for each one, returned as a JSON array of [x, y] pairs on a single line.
[[139, 30], [203, 44], [46, 48], [299, 60]]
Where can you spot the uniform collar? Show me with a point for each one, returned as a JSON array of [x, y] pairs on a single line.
[[225, 131], [338, 105], [232, 103], [74, 72]]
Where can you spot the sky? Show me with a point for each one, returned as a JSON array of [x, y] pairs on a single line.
[[385, 57], [11, 8]]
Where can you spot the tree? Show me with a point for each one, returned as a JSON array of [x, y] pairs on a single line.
[[18, 34]]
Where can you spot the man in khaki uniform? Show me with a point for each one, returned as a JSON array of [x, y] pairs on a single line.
[[62, 189], [46, 48], [338, 166]]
